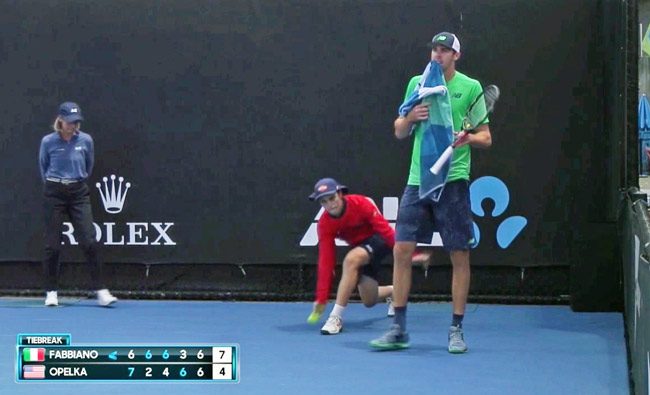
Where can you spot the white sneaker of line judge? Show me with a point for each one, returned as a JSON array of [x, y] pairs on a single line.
[[51, 298], [104, 298]]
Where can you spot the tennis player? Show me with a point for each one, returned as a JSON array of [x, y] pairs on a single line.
[[451, 215]]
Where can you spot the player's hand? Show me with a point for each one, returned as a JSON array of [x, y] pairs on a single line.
[[418, 113], [422, 258], [316, 312], [462, 139]]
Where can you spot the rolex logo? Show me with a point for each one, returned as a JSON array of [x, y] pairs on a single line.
[[113, 195], [133, 232]]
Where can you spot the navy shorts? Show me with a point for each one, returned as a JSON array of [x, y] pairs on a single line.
[[451, 216], [378, 250]]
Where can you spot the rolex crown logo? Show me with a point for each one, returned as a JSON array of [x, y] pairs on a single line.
[[113, 196]]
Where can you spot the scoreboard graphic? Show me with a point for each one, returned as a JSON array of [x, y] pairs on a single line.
[[52, 357]]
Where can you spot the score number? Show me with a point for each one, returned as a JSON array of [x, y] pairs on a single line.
[[216, 363]]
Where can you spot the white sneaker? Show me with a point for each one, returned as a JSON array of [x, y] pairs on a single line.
[[332, 326], [391, 308], [104, 298], [51, 298]]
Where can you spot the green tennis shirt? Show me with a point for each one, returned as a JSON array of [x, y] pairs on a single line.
[[462, 90]]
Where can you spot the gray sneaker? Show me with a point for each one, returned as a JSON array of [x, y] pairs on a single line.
[[456, 341], [394, 339]]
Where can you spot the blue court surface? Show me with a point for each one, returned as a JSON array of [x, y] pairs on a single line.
[[513, 349]]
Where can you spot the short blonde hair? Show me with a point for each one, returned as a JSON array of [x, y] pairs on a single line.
[[57, 125]]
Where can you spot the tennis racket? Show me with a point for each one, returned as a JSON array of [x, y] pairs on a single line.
[[473, 118]]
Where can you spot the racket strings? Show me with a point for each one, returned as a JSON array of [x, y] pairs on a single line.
[[491, 94], [475, 114]]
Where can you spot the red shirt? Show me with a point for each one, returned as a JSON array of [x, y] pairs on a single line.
[[360, 220]]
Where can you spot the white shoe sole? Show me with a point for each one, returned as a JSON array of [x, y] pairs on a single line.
[[105, 303], [324, 332]]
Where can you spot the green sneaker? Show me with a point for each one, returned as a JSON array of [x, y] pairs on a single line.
[[456, 341], [394, 339]]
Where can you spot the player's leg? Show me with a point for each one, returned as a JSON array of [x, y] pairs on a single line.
[[82, 219], [410, 217], [397, 338], [453, 212], [54, 209], [402, 269], [460, 282], [459, 292], [352, 263]]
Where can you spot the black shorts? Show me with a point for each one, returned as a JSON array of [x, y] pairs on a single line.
[[378, 250]]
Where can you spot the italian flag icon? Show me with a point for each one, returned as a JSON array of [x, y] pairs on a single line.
[[34, 355]]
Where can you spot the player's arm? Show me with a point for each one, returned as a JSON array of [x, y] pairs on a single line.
[[481, 138], [404, 125]]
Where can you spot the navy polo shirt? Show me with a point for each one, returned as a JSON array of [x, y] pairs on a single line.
[[70, 160]]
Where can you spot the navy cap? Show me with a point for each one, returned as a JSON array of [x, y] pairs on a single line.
[[325, 187], [70, 112], [446, 39]]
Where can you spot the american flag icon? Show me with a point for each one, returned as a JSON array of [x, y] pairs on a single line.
[[34, 371]]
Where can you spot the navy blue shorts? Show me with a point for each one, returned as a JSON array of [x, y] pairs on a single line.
[[451, 216], [378, 250]]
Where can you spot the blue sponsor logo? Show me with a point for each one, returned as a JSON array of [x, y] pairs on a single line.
[[494, 189]]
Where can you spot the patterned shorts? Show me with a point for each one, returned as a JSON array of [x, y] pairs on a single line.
[[451, 216]]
